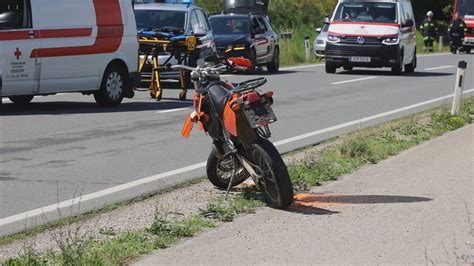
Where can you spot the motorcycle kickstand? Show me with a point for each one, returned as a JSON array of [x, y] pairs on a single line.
[[231, 181]]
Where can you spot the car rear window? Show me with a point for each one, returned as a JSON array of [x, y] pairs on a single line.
[[161, 20], [367, 12]]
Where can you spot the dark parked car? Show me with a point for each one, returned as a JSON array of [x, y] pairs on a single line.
[[246, 32]]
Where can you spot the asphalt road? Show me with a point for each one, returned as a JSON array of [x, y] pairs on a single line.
[[412, 209], [62, 147]]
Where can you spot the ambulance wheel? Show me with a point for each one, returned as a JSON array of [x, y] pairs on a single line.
[[397, 70], [330, 68], [21, 99], [182, 96], [111, 88]]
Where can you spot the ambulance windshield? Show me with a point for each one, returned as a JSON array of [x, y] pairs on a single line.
[[367, 12], [465, 8]]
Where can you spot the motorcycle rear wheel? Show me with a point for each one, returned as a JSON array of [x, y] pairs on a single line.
[[219, 171], [275, 183]]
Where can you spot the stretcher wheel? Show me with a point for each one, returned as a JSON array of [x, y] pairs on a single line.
[[156, 95], [182, 96]]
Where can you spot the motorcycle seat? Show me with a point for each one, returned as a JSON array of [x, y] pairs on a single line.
[[220, 95]]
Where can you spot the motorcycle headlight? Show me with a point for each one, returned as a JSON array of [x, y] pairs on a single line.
[[392, 40], [334, 38]]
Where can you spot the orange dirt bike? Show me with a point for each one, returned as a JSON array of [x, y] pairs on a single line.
[[237, 118]]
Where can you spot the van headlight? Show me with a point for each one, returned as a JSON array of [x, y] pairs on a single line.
[[333, 38], [392, 40]]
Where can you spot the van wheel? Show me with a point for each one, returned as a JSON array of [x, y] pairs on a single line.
[[330, 68], [397, 70], [111, 88], [274, 65], [410, 68], [21, 99]]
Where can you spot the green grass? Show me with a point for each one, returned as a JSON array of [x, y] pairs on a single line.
[[86, 216], [372, 145], [226, 210], [122, 247]]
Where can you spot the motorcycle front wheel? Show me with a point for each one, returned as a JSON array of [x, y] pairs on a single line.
[[219, 171], [275, 182]]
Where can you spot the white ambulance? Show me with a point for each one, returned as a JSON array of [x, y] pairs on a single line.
[[372, 33], [57, 46]]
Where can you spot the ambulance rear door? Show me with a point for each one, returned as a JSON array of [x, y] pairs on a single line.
[[19, 67]]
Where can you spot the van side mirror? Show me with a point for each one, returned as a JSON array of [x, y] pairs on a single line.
[[408, 24], [200, 33], [318, 30], [8, 20]]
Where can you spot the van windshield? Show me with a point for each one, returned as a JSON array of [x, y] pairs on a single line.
[[367, 12], [230, 25], [161, 20], [465, 8]]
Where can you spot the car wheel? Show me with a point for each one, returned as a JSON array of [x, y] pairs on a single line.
[[112, 87], [330, 68], [468, 50], [21, 99], [274, 66]]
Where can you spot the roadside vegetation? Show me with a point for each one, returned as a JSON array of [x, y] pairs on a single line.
[[337, 157], [370, 146]]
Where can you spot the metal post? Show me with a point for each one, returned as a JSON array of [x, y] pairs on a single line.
[[286, 46], [307, 49], [458, 88], [441, 43]]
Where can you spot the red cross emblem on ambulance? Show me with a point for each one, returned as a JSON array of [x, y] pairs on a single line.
[[17, 53]]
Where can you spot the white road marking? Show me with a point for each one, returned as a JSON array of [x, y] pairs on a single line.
[[173, 110], [6, 100], [429, 55], [302, 66], [80, 200], [353, 80], [436, 68]]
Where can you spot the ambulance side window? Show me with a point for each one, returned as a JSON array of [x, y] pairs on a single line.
[[15, 14]]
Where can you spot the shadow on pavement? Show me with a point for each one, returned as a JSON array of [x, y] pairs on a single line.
[[312, 203], [326, 199], [388, 73], [309, 210], [59, 108]]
